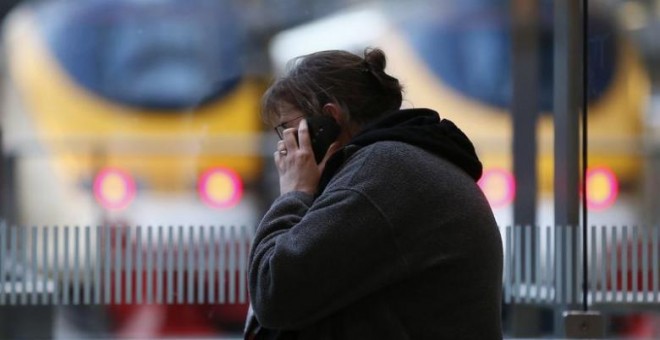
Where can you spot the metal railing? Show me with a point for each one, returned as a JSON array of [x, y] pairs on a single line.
[[623, 265], [123, 265], [207, 264]]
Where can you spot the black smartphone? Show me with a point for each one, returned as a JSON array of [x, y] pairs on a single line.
[[323, 131]]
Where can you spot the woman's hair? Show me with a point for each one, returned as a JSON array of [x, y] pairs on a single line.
[[359, 85]]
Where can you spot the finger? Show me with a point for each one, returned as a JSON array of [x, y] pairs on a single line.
[[280, 146], [281, 150], [279, 161], [303, 135], [290, 139]]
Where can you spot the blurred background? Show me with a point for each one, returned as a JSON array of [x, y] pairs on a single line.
[[135, 164]]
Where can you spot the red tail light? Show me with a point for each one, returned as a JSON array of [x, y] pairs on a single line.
[[499, 187], [602, 188], [220, 187], [114, 188]]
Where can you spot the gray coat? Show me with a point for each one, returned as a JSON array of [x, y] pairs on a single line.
[[400, 244]]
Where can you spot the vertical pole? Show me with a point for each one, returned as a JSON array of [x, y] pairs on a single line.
[[566, 108], [524, 111], [2, 177], [567, 89], [524, 108], [8, 185]]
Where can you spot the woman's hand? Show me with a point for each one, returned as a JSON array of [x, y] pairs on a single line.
[[295, 161]]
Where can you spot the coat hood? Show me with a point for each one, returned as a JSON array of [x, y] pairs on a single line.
[[419, 127]]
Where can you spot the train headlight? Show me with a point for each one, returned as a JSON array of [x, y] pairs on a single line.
[[220, 188], [499, 187], [114, 188], [602, 188]]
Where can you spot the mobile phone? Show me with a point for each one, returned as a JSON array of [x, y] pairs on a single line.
[[323, 131]]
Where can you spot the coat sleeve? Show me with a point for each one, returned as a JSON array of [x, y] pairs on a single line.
[[310, 260]]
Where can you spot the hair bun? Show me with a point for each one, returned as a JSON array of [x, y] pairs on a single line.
[[375, 63], [375, 60]]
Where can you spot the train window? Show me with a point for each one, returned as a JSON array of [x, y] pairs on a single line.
[[168, 54], [471, 52]]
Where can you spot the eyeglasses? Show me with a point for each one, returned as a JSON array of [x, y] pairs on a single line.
[[280, 128]]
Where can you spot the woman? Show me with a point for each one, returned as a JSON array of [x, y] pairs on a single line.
[[389, 236]]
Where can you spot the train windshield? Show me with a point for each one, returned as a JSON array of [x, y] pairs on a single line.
[[470, 51], [164, 54]]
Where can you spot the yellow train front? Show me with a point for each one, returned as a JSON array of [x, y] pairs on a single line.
[[126, 113], [132, 112]]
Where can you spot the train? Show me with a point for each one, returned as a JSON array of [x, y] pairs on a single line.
[[124, 115], [125, 103], [457, 59]]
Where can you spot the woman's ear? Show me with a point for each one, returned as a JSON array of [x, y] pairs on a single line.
[[347, 129], [333, 110]]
